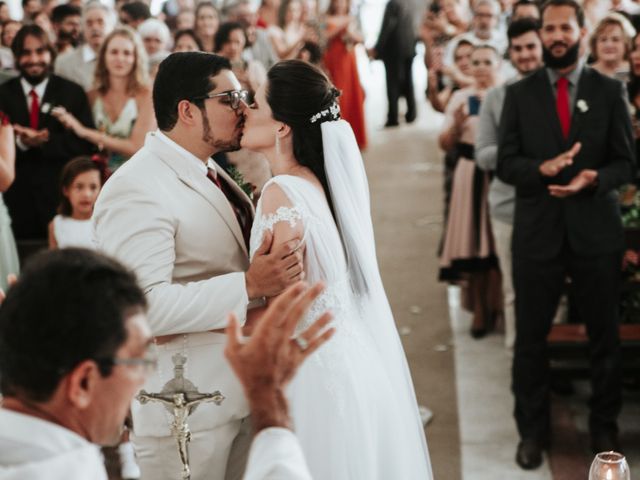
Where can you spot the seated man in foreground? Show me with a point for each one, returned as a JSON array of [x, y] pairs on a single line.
[[74, 350]]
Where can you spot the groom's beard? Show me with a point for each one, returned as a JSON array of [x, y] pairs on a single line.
[[557, 63], [230, 145]]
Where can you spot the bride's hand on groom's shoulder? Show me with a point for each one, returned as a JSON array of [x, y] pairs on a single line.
[[274, 267]]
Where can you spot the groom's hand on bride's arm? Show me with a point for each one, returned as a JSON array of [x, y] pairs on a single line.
[[274, 267]]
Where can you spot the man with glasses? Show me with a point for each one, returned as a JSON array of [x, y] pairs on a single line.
[[75, 347], [182, 225]]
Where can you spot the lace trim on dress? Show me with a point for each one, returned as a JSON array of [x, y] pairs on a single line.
[[283, 214]]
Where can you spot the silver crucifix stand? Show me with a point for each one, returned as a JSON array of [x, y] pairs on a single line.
[[180, 397]]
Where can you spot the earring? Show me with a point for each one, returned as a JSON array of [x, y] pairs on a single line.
[[277, 145]]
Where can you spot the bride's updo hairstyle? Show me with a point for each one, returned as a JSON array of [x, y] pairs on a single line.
[[296, 93]]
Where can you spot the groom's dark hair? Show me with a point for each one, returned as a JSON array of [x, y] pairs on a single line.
[[183, 76]]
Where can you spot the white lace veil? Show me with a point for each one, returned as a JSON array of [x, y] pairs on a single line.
[[349, 191]]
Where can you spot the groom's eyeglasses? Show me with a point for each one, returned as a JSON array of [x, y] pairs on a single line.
[[233, 97]]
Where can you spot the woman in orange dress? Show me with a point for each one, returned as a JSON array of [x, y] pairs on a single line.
[[340, 62]]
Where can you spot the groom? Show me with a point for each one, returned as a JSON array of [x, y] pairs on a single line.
[[182, 224]]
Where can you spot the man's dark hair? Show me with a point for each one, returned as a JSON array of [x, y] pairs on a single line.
[[68, 306], [61, 12], [183, 76], [224, 34], [137, 10], [565, 3], [521, 26], [525, 3], [31, 30], [187, 32]]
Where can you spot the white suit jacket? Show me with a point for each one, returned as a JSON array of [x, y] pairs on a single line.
[[162, 217]]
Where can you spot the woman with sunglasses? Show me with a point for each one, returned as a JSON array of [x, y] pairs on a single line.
[[120, 100]]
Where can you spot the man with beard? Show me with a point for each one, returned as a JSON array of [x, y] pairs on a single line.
[[65, 19], [79, 64], [182, 224], [44, 144], [525, 53], [566, 144]]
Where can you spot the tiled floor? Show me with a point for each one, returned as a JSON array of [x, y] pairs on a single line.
[[487, 432]]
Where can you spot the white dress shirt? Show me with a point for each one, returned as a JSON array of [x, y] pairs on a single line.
[[35, 449], [40, 89], [276, 455]]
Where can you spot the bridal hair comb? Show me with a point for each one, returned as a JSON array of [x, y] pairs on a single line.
[[331, 113]]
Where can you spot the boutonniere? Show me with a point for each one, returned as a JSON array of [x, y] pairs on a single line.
[[46, 108], [582, 105], [237, 177]]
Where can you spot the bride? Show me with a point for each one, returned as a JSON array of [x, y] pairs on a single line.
[[352, 403]]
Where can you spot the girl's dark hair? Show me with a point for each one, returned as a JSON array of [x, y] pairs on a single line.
[[69, 173], [296, 91]]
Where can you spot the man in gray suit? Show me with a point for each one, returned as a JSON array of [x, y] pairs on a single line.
[[79, 64]]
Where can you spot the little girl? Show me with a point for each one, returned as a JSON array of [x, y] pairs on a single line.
[[80, 184]]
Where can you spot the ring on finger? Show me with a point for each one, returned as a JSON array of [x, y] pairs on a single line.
[[302, 343]]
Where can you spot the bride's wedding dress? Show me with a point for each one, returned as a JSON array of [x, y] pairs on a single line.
[[352, 402]]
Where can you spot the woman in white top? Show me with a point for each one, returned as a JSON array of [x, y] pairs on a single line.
[[120, 100], [80, 183], [288, 38]]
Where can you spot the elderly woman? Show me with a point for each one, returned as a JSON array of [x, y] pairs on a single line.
[[610, 46], [468, 254], [155, 36]]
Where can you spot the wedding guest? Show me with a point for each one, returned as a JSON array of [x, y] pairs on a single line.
[[525, 54], [230, 41], [44, 22], [207, 23], [396, 48], [66, 20], [80, 183], [120, 100], [186, 20], [440, 85], [444, 19], [259, 46], [525, 9], [171, 10], [156, 36], [186, 41], [79, 64], [610, 45], [44, 144], [30, 8], [268, 13], [468, 252], [483, 31], [5, 12], [9, 263], [9, 31], [288, 36], [633, 90], [566, 144], [76, 394], [133, 14], [340, 62]]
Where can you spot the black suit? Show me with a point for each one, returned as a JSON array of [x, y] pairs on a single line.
[[33, 198], [396, 48], [580, 236]]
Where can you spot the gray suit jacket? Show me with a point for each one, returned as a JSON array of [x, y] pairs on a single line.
[[73, 66]]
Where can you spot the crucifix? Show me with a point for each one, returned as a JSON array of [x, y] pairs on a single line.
[[180, 397]]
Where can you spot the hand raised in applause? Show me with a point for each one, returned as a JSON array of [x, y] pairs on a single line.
[[68, 120], [274, 268], [30, 137], [584, 179], [551, 168], [266, 362]]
